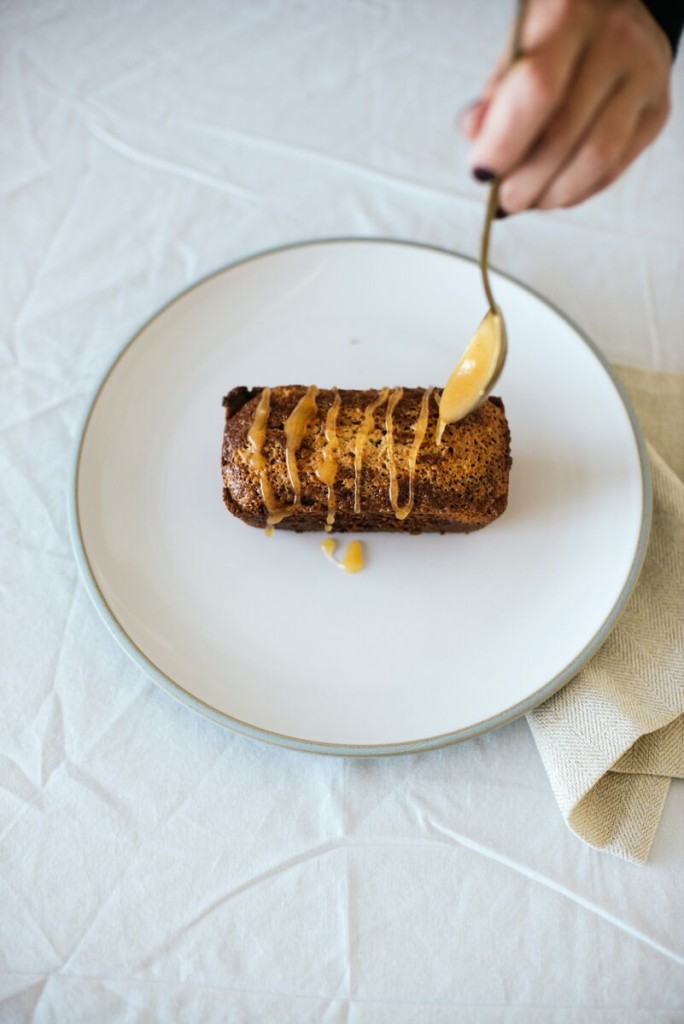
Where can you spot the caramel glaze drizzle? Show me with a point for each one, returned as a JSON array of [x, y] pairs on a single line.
[[362, 435], [257, 459], [327, 471], [441, 424], [420, 429], [395, 398], [296, 426]]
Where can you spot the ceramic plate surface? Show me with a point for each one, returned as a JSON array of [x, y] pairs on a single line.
[[440, 638]]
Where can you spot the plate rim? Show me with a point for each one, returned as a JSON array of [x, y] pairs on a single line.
[[175, 689]]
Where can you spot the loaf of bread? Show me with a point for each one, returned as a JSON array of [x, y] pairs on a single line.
[[302, 458]]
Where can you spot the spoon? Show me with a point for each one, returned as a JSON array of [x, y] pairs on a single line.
[[483, 360]]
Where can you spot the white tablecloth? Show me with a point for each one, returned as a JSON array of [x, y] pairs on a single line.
[[152, 865]]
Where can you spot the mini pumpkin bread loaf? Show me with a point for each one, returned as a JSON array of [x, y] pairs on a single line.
[[301, 458]]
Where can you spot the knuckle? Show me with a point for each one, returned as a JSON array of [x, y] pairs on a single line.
[[584, 10], [566, 8], [622, 28], [573, 197], [614, 174], [655, 119], [562, 196], [540, 84], [599, 155], [514, 197], [560, 134], [562, 10], [628, 30], [553, 197], [665, 108], [652, 67]]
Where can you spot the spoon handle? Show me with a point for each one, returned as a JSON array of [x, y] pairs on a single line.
[[493, 199]]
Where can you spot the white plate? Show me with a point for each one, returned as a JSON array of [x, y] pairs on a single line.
[[441, 637]]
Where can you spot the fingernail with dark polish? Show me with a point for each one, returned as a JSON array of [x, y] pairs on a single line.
[[500, 213], [483, 174]]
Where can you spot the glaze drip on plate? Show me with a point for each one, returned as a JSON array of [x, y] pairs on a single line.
[[353, 559]]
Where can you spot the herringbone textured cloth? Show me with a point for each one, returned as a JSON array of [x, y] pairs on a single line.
[[613, 738]]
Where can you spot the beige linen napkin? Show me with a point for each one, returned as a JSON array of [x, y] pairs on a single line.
[[613, 738]]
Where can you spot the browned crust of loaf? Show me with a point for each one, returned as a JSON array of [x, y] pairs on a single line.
[[459, 486]]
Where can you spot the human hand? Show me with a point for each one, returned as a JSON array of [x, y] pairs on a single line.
[[588, 94]]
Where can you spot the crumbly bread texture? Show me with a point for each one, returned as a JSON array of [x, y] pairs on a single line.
[[458, 486]]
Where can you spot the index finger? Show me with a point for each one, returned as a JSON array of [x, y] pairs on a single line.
[[525, 101]]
